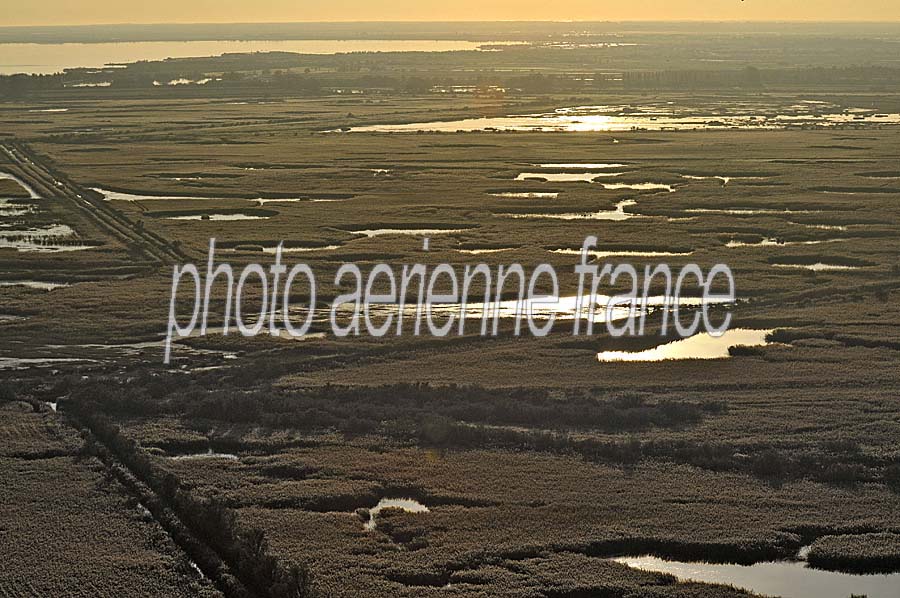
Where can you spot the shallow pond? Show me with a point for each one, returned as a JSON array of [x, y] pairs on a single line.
[[123, 196], [378, 232], [596, 255], [22, 363], [11, 177], [775, 242], [579, 166], [217, 217], [565, 177], [790, 579], [839, 227], [298, 249], [485, 250], [209, 454], [628, 118], [51, 238], [699, 346], [33, 284], [617, 214], [818, 267], [406, 504], [748, 211], [526, 194], [638, 187], [10, 208], [541, 308]]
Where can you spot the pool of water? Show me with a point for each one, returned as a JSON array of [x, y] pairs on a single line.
[[565, 177], [582, 165], [298, 249], [526, 194], [699, 346], [214, 217], [748, 211], [818, 267], [406, 504], [485, 250], [11, 207], [597, 255], [21, 363], [638, 187], [265, 200], [209, 454], [378, 232], [34, 284], [790, 579], [654, 118], [617, 214], [54, 58], [839, 227], [776, 242], [123, 196], [52, 238], [11, 177], [541, 309]]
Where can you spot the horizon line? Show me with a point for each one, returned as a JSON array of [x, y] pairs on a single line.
[[426, 21]]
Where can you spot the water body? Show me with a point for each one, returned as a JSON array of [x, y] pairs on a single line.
[[790, 579], [651, 118], [615, 215], [818, 267], [11, 177], [748, 211], [378, 232], [34, 284], [839, 227], [597, 255], [52, 238], [541, 308], [209, 454], [526, 194], [264, 200], [406, 504], [485, 250], [223, 217], [298, 249], [10, 207], [565, 177], [582, 165], [124, 196], [775, 242], [55, 58], [699, 346], [20, 363], [639, 187], [723, 179]]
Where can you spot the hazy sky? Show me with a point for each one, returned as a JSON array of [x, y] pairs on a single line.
[[67, 12]]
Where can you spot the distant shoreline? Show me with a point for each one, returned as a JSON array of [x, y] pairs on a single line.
[[414, 30]]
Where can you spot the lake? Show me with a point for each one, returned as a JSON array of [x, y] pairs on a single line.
[[790, 579], [54, 58]]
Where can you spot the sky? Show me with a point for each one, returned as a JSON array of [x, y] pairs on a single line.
[[82, 12]]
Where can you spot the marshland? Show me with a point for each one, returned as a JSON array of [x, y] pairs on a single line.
[[468, 465]]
